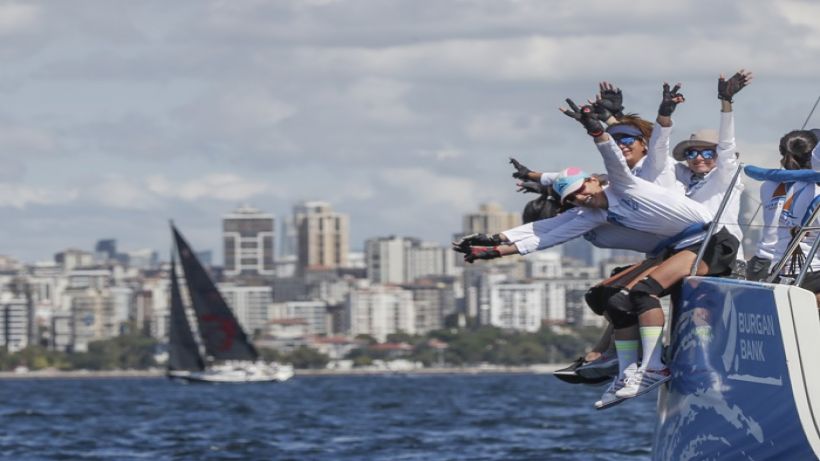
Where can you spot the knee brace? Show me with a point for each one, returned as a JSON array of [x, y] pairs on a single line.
[[644, 295], [597, 297], [621, 319]]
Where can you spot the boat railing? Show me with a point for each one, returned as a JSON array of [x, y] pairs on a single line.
[[794, 246], [716, 221]]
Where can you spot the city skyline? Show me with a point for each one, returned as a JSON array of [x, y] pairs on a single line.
[[116, 118]]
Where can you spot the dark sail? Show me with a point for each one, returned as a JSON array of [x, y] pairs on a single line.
[[183, 350], [221, 334]]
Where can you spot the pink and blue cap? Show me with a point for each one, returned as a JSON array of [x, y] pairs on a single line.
[[569, 182]]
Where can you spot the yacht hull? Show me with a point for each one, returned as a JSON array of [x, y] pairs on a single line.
[[745, 381]]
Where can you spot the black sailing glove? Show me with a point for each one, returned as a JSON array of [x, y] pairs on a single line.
[[522, 172], [729, 88], [671, 99], [534, 187], [610, 102], [586, 117], [482, 253], [463, 244]]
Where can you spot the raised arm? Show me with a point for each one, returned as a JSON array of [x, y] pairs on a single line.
[[727, 148], [658, 160], [616, 168]]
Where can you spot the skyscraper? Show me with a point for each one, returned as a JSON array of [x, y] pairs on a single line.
[[247, 234], [106, 249], [490, 219], [323, 236]]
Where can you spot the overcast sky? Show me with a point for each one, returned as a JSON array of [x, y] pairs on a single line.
[[116, 116]]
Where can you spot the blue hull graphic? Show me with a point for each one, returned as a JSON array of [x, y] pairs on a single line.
[[739, 390]]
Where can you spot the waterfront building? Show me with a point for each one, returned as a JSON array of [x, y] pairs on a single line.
[[379, 310], [490, 219], [313, 313], [399, 260], [249, 304], [426, 259], [15, 322], [434, 299], [544, 265], [143, 259], [517, 306], [72, 258], [385, 258], [323, 236], [92, 312], [247, 235], [105, 250]]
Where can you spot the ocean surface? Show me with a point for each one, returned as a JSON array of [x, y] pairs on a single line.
[[395, 417]]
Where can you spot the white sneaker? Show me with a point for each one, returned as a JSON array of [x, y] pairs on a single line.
[[642, 382], [610, 397]]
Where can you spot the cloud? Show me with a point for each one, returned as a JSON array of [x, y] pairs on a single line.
[[17, 17], [218, 186], [21, 196]]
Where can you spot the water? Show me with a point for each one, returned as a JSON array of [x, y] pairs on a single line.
[[452, 417]]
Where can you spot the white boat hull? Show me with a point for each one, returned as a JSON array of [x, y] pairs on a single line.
[[237, 372]]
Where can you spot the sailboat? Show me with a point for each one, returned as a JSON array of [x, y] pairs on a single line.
[[229, 355]]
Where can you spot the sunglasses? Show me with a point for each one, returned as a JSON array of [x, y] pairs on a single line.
[[706, 154], [625, 139]]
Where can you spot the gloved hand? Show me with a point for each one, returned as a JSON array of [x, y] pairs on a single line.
[[671, 99], [482, 253], [534, 187], [463, 244], [729, 88], [757, 268], [586, 117], [521, 172], [609, 103]]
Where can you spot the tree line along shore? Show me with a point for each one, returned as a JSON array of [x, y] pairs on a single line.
[[449, 350]]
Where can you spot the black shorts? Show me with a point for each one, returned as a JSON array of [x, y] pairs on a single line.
[[720, 254], [597, 296]]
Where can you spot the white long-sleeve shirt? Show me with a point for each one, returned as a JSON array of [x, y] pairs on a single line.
[[634, 203], [653, 168], [657, 166], [710, 189], [784, 207]]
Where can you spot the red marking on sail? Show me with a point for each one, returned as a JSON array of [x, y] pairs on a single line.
[[227, 326]]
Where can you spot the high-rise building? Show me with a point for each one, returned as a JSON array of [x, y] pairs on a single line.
[[430, 259], [517, 306], [313, 313], [249, 304], [402, 260], [323, 236], [72, 257], [490, 219], [15, 322], [106, 249], [247, 234], [385, 259], [380, 310]]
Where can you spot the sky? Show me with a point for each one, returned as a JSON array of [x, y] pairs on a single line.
[[116, 116]]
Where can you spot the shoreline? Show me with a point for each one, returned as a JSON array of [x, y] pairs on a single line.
[[138, 374]]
